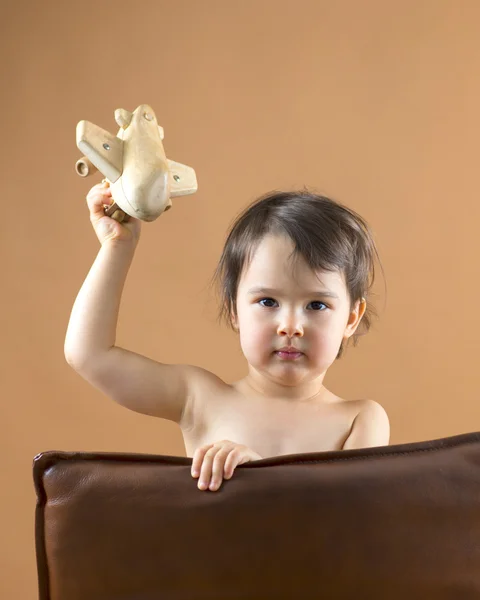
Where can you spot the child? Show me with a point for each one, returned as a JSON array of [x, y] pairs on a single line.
[[295, 271]]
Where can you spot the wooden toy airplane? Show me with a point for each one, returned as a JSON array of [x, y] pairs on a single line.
[[143, 180]]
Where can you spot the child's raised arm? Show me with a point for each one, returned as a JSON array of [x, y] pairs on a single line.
[[136, 382]]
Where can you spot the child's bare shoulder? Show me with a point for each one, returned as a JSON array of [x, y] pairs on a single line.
[[371, 426]]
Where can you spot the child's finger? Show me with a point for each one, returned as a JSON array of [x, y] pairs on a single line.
[[100, 188], [206, 471], [218, 468], [231, 463], [198, 459], [97, 201]]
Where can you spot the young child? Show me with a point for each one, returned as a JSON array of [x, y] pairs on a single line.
[[295, 273]]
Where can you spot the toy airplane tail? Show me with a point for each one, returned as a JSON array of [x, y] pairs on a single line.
[[143, 180]]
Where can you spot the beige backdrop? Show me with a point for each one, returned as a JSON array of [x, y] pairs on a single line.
[[374, 102]]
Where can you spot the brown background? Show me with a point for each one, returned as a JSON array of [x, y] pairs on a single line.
[[374, 102]]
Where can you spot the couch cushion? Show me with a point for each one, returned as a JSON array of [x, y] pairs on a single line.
[[396, 522]]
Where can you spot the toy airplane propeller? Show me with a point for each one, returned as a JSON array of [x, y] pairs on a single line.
[[143, 180]]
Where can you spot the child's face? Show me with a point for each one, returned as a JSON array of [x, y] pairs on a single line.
[[291, 314]]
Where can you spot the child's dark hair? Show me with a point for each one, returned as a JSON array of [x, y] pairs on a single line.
[[328, 235]]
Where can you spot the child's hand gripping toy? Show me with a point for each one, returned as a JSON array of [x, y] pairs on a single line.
[[143, 180]]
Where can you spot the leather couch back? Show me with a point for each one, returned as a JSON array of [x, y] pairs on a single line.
[[389, 523]]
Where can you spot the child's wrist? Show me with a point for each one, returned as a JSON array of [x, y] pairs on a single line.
[[117, 247]]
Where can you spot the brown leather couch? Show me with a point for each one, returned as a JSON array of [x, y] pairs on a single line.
[[390, 523]]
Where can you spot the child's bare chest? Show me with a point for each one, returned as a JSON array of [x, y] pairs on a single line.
[[272, 427]]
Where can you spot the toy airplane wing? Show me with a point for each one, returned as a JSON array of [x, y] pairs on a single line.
[[104, 150], [183, 180]]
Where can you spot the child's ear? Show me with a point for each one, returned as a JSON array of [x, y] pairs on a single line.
[[234, 321], [355, 317]]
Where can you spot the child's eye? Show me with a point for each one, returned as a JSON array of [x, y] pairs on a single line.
[[317, 302], [267, 300]]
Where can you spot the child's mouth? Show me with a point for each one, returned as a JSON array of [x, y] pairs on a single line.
[[288, 355]]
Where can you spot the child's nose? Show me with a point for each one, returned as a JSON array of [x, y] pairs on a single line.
[[291, 327]]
